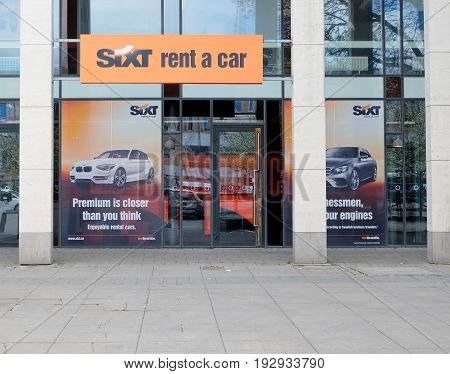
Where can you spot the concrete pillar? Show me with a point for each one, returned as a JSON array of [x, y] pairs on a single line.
[[437, 101], [309, 133], [36, 132]]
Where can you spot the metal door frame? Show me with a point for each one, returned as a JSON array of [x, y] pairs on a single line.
[[218, 128]]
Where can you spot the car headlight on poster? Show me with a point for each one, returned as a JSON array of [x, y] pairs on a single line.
[[340, 170], [105, 167]]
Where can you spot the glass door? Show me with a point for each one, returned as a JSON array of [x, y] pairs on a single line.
[[237, 186]]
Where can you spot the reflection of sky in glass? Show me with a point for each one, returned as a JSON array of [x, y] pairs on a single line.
[[341, 24], [413, 19], [130, 17], [219, 17], [2, 112], [9, 22]]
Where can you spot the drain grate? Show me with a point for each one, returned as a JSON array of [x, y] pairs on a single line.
[[213, 267]]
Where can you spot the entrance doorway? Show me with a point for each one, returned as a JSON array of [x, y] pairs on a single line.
[[237, 186], [223, 177]]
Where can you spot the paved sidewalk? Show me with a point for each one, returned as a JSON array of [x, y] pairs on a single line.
[[216, 301]]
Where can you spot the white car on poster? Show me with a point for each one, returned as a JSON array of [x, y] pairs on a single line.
[[115, 167]]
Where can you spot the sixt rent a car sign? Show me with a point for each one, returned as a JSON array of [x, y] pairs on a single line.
[[161, 59]]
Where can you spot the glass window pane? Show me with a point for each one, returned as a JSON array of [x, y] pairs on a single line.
[[273, 58], [233, 17], [171, 16], [413, 37], [268, 18], [394, 172], [241, 17], [353, 37], [9, 37], [9, 172], [69, 52], [392, 36], [134, 17], [172, 183], [286, 59], [172, 116], [224, 17], [394, 182], [239, 111], [393, 116], [287, 19], [415, 173], [69, 58], [196, 184], [240, 187], [56, 35]]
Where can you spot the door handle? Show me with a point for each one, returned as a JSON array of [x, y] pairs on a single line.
[[258, 150], [255, 197], [256, 172]]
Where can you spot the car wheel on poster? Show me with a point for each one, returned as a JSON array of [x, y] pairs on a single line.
[[120, 178]]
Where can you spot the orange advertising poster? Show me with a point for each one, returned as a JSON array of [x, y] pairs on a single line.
[[176, 59]]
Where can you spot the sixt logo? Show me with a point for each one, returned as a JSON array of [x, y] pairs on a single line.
[[143, 110], [366, 110], [122, 58]]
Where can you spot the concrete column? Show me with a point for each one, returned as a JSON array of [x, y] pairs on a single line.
[[437, 74], [36, 132], [309, 133]]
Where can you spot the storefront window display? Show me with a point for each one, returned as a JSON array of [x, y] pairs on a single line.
[[110, 177], [173, 173], [355, 170]]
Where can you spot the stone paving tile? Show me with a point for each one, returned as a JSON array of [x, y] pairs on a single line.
[[244, 346], [71, 347], [438, 331], [47, 331], [200, 346], [114, 347], [405, 335], [357, 339], [29, 348]]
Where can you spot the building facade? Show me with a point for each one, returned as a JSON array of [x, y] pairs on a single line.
[[342, 145]]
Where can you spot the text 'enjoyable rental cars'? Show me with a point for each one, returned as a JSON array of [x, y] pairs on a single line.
[[116, 167]]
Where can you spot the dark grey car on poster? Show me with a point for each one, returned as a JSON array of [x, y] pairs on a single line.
[[349, 167]]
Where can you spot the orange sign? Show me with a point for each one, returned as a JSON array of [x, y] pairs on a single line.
[[171, 59]]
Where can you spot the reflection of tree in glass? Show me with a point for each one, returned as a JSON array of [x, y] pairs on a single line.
[[245, 12], [358, 20], [9, 148], [413, 35], [415, 148], [237, 143], [349, 20], [394, 163], [286, 20], [415, 163]]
